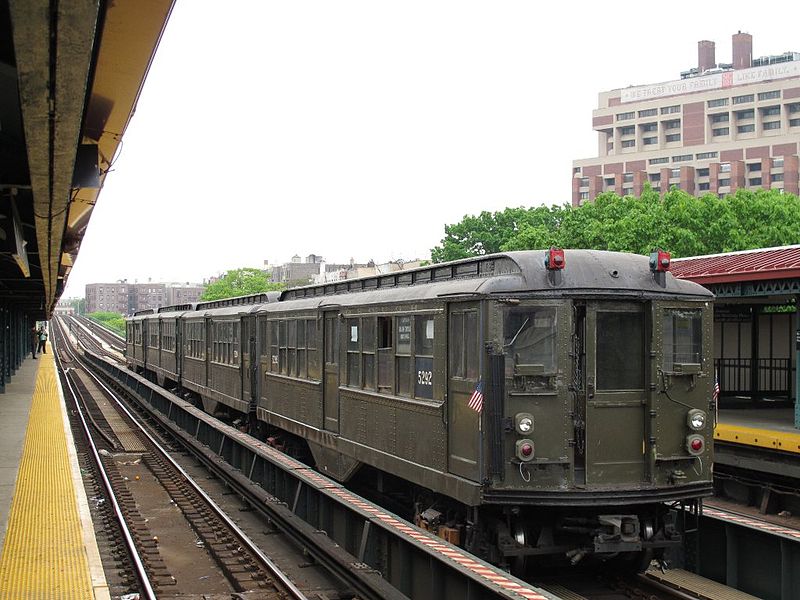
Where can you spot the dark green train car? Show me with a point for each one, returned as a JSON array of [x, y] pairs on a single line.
[[528, 404]]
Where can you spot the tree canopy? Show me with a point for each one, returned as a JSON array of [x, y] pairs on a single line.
[[111, 320], [240, 282], [677, 222]]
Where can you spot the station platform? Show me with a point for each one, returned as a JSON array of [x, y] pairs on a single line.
[[768, 428], [47, 544]]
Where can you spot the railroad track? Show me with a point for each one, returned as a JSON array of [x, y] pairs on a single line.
[[136, 471]]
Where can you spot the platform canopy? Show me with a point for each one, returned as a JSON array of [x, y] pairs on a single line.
[[70, 75], [762, 273]]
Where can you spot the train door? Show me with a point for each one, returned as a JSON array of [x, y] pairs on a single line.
[[463, 386], [330, 388], [617, 351], [249, 360]]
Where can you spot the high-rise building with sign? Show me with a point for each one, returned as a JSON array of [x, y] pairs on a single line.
[[719, 128]]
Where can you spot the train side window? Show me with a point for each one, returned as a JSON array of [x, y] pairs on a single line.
[[423, 356], [368, 351], [311, 349], [384, 331], [403, 356], [353, 354], [153, 337], [683, 338], [272, 337], [620, 351], [529, 338]]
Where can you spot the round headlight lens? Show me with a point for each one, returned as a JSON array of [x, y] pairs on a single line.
[[696, 419], [523, 423]]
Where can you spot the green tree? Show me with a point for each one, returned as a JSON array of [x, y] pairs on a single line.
[[111, 320], [676, 221], [240, 282]]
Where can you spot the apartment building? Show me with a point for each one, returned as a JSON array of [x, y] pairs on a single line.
[[126, 298], [721, 127]]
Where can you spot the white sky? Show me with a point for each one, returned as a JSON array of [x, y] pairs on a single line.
[[360, 128]]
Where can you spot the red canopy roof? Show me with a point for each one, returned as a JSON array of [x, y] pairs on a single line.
[[748, 265]]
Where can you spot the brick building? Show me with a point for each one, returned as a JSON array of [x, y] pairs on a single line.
[[721, 127]]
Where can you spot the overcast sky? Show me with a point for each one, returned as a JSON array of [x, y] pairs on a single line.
[[360, 128]]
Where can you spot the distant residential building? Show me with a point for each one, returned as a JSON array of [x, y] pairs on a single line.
[[63, 308], [183, 293], [126, 298], [298, 271], [354, 271], [107, 297]]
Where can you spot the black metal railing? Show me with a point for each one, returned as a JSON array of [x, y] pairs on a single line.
[[773, 377]]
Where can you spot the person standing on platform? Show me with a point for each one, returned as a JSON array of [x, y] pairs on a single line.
[[34, 341], [42, 341]]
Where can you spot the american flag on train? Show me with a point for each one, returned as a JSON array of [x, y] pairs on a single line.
[[476, 400], [715, 393]]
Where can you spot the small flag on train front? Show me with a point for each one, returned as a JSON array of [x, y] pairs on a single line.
[[476, 400], [715, 394]]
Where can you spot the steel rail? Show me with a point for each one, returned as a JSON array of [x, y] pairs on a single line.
[[137, 561], [250, 545]]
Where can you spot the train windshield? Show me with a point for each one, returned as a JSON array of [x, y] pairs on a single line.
[[683, 337], [529, 338]]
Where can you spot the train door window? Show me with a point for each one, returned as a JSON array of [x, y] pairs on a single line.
[[457, 344], [311, 349], [262, 335], [683, 337], [384, 331], [291, 347], [403, 356], [353, 354], [471, 354], [620, 351], [368, 351], [331, 340], [282, 347], [464, 352]]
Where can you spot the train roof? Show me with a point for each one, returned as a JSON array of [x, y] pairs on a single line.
[[590, 272]]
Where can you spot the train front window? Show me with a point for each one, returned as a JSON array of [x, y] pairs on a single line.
[[683, 338], [620, 351], [529, 339]]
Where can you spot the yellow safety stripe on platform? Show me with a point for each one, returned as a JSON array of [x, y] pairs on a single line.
[[763, 438], [44, 555]]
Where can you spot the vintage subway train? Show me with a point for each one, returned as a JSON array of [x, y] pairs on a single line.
[[547, 404]]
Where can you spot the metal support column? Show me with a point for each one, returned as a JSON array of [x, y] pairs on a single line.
[[797, 363]]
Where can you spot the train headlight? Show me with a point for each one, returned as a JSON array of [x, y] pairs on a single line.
[[525, 450], [696, 419], [695, 444], [523, 423]]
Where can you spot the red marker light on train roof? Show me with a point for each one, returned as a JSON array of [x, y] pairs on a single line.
[[659, 260], [554, 259]]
